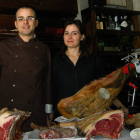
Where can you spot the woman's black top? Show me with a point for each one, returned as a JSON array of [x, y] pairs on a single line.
[[68, 78]]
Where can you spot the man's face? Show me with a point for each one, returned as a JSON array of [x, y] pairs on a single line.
[[26, 22]]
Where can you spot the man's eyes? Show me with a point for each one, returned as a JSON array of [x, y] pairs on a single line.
[[22, 18]]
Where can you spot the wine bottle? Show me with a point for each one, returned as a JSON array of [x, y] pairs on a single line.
[[111, 23], [97, 22], [124, 23], [117, 26], [103, 23], [130, 26]]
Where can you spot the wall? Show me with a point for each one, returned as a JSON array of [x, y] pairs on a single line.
[[82, 4], [136, 7], [131, 5]]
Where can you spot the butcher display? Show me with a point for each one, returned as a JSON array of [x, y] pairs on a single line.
[[54, 132], [107, 124], [10, 123], [97, 96]]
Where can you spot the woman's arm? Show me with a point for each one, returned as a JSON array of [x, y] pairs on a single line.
[[118, 104]]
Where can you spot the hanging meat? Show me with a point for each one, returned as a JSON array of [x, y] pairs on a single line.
[[97, 96], [10, 123], [107, 124]]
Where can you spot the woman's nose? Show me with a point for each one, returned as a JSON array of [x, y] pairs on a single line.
[[70, 35]]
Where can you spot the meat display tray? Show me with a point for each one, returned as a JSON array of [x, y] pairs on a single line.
[[125, 136]]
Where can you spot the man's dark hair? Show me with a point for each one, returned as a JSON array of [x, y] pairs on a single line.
[[26, 7]]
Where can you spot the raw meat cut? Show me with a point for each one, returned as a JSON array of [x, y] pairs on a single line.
[[97, 96], [10, 123], [132, 122], [46, 133], [107, 124], [54, 132], [65, 132]]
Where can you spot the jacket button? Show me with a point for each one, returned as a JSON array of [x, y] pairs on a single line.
[[12, 100], [36, 47], [14, 85], [31, 101], [33, 87], [16, 55], [15, 70]]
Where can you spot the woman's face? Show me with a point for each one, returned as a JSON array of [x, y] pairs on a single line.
[[72, 36]]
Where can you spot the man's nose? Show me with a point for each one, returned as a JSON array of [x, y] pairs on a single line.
[[25, 20]]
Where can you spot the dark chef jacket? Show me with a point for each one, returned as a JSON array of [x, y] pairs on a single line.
[[68, 79], [25, 76]]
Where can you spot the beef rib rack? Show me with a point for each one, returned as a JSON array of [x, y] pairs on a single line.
[[107, 124], [10, 123]]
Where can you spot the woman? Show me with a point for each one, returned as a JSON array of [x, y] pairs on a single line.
[[75, 66]]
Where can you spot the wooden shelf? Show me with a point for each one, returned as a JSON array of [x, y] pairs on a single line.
[[113, 11], [113, 53], [115, 32]]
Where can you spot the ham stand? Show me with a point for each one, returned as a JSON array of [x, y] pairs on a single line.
[[135, 81]]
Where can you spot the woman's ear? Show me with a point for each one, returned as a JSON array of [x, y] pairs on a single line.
[[82, 37]]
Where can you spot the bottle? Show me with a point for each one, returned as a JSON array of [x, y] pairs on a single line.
[[111, 23], [120, 21], [103, 23], [124, 23], [108, 22], [97, 22], [117, 25], [130, 26]]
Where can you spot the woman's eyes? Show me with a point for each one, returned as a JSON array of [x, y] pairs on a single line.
[[74, 33], [66, 33]]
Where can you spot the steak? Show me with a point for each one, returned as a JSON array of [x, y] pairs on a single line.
[[46, 133], [65, 132], [107, 124], [10, 122], [54, 132], [97, 96]]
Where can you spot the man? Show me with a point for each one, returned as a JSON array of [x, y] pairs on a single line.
[[26, 71]]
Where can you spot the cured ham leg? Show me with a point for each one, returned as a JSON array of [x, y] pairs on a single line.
[[97, 96]]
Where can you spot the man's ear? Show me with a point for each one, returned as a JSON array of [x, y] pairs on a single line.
[[36, 24], [16, 24]]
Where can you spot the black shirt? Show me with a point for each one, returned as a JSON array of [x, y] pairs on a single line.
[[69, 78]]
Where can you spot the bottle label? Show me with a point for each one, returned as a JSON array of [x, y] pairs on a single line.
[[97, 25], [124, 24], [101, 25], [135, 134]]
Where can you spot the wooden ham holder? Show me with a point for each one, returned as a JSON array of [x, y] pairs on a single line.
[[69, 124]]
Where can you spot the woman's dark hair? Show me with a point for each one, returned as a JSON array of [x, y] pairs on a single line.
[[84, 48]]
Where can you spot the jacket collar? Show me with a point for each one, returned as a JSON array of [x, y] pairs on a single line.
[[20, 40]]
